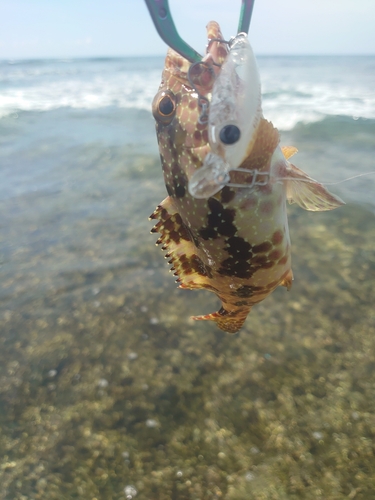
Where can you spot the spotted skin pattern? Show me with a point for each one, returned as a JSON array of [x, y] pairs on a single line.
[[235, 243]]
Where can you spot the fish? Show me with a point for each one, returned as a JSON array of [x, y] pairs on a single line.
[[224, 224]]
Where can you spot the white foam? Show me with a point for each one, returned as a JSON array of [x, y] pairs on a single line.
[[305, 91], [306, 103], [122, 90]]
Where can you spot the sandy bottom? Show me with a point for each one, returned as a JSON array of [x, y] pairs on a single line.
[[109, 391]]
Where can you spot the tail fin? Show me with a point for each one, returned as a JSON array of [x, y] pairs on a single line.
[[230, 322]]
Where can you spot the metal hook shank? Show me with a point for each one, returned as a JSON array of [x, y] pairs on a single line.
[[162, 18]]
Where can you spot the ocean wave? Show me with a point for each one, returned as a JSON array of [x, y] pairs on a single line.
[[123, 91], [309, 89], [339, 131], [286, 107], [292, 94]]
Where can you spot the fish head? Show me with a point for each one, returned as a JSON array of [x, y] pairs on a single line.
[[178, 108]]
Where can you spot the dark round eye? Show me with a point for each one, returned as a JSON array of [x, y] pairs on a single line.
[[229, 134], [164, 106]]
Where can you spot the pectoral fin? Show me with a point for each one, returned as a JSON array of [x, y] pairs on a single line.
[[308, 193]]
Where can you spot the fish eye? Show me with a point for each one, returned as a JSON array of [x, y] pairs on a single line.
[[229, 134], [164, 107]]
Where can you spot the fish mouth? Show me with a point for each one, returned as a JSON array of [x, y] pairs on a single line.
[[217, 47], [191, 74]]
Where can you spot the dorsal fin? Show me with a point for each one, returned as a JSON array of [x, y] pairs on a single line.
[[182, 252]]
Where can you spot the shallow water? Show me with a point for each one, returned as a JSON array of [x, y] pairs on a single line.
[[108, 390]]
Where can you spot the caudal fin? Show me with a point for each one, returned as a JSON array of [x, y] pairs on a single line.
[[230, 322]]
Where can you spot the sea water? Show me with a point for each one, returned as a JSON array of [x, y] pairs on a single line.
[[107, 102], [96, 341]]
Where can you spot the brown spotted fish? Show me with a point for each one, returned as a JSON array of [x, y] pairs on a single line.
[[224, 224]]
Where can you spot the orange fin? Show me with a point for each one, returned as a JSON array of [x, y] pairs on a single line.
[[230, 322], [289, 151], [308, 193]]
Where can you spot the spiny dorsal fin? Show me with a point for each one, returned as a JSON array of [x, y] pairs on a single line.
[[177, 241], [164, 210]]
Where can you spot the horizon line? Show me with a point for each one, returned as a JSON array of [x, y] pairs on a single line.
[[134, 56]]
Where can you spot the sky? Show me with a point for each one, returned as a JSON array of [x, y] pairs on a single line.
[[31, 29]]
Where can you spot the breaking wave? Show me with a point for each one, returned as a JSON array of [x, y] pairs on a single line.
[[295, 89]]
